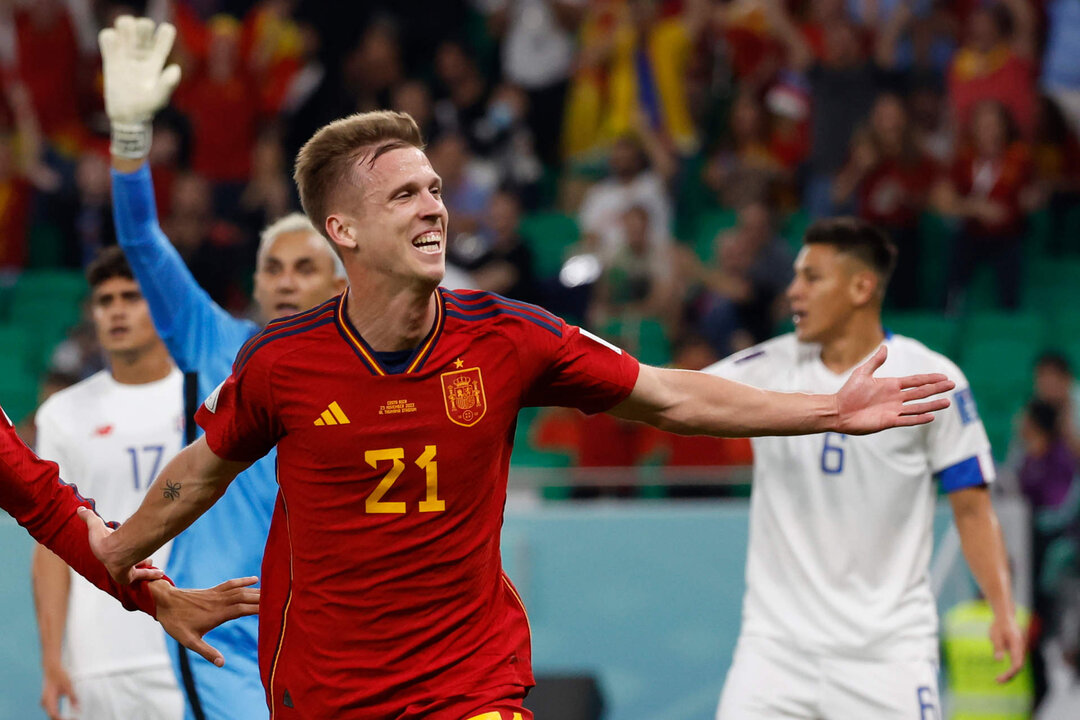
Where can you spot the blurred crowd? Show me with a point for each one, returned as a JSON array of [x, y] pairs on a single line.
[[690, 140]]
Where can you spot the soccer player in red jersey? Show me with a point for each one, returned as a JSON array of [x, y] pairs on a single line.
[[31, 492], [393, 409]]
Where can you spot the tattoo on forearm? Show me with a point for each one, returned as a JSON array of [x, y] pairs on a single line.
[[172, 490]]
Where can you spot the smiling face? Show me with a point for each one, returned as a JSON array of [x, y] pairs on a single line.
[[122, 317], [296, 272], [395, 222], [829, 286]]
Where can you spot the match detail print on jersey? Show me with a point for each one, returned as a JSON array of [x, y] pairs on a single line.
[[463, 392]]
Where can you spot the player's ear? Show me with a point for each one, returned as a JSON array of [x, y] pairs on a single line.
[[342, 231], [864, 287]]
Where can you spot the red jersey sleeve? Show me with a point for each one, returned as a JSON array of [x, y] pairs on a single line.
[[574, 369], [239, 417], [32, 492]]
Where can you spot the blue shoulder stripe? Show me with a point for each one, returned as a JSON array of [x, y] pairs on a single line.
[[503, 310], [485, 297], [265, 338]]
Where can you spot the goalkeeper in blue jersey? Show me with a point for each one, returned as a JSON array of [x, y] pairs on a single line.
[[295, 270]]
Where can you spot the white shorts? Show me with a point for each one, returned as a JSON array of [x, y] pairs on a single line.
[[140, 695], [769, 680]]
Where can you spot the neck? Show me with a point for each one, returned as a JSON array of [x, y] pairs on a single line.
[[856, 340], [144, 365], [394, 320]]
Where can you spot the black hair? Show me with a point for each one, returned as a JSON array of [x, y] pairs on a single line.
[[1044, 416], [857, 238], [108, 264], [1054, 360]]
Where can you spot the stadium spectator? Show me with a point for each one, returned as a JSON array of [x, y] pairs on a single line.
[[222, 88], [374, 67], [996, 62], [986, 188], [1056, 181], [639, 171], [1051, 485], [467, 186], [742, 290], [844, 81], [505, 264], [747, 164], [636, 284], [538, 47], [886, 182], [462, 100], [1060, 78], [632, 70]]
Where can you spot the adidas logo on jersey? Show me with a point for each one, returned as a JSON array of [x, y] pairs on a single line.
[[332, 415]]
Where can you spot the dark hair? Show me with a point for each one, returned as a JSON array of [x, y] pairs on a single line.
[[1054, 360], [108, 264], [857, 238], [1044, 416]]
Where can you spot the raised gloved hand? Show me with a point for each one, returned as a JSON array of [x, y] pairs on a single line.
[[137, 84]]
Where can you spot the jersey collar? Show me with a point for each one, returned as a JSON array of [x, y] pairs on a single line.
[[369, 357]]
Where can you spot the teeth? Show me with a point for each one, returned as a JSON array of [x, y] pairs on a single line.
[[429, 242]]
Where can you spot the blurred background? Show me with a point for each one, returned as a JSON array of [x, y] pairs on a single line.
[[644, 168]]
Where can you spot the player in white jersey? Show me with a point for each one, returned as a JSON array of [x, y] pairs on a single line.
[[838, 619], [110, 434]]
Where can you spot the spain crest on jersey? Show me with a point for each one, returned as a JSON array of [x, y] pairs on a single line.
[[463, 393]]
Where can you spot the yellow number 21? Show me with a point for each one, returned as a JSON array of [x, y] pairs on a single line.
[[375, 504]]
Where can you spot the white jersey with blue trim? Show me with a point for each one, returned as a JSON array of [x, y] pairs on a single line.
[[841, 527], [111, 439]]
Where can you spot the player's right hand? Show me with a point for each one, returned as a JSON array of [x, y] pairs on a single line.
[[55, 684], [99, 534], [187, 615], [137, 83]]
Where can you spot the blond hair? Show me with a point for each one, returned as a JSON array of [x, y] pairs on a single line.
[[323, 164]]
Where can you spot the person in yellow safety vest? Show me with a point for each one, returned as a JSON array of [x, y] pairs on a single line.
[[971, 670]]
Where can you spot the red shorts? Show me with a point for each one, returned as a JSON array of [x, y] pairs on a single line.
[[501, 703]]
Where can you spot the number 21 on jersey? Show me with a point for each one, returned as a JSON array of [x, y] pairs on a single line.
[[832, 453], [396, 456]]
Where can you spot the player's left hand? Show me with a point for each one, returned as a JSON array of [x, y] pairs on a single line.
[[99, 533], [866, 404], [1007, 639], [187, 615]]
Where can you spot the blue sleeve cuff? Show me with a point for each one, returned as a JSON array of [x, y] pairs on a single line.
[[964, 474]]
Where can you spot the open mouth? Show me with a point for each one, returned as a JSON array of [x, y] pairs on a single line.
[[285, 308], [797, 316], [429, 242], [118, 332]]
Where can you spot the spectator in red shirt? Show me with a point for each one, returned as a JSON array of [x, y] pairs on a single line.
[[223, 104], [886, 180], [48, 64], [997, 63], [985, 188]]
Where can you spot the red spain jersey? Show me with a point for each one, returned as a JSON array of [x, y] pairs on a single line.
[[383, 589]]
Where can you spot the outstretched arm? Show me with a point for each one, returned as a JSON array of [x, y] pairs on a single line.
[[695, 403], [186, 488], [984, 550], [137, 85]]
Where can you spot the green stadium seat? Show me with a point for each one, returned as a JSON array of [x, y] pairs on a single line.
[[709, 225], [1000, 371], [644, 338], [18, 391], [999, 428], [937, 332], [15, 356], [794, 228], [549, 235], [1022, 327], [1052, 285]]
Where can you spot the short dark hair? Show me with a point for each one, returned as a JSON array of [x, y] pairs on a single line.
[[857, 238], [1044, 416], [108, 264], [1054, 360]]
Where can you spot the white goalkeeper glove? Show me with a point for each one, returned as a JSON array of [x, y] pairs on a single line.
[[133, 55]]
